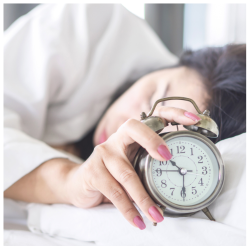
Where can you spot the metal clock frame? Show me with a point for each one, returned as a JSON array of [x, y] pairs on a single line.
[[170, 209]]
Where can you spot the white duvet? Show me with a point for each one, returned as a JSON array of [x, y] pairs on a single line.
[[58, 224]]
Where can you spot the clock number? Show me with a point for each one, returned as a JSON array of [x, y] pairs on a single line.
[[201, 182], [163, 184], [183, 194], [205, 170], [162, 163], [200, 159], [180, 149], [171, 151], [172, 191], [158, 171], [194, 191], [192, 153]]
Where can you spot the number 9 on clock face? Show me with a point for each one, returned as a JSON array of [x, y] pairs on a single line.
[[192, 174]]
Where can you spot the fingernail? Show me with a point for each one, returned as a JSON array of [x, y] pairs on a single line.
[[103, 137], [164, 152], [154, 212], [192, 116], [139, 222]]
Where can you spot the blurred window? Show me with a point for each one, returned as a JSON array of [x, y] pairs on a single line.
[[214, 25], [178, 25], [194, 33]]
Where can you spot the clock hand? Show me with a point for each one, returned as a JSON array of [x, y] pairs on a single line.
[[183, 190], [170, 170], [174, 164], [160, 171], [176, 170]]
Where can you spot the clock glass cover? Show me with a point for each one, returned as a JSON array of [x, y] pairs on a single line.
[[192, 174]]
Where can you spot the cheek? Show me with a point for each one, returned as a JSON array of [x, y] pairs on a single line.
[[129, 105], [132, 103], [158, 93]]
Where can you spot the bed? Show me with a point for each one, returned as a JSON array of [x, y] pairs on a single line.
[[60, 224]]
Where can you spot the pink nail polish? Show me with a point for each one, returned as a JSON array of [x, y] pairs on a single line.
[[139, 222], [103, 137], [164, 152], [153, 211], [192, 116]]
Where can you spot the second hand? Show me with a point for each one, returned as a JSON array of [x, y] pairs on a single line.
[[174, 170]]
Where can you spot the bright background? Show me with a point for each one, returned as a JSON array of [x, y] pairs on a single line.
[[179, 26], [194, 25]]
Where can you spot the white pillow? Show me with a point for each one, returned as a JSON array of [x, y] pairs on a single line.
[[106, 226]]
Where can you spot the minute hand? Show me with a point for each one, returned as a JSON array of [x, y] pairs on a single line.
[[183, 190]]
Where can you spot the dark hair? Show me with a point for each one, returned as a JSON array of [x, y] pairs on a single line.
[[223, 70]]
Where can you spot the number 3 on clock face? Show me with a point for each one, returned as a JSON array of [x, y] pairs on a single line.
[[192, 174]]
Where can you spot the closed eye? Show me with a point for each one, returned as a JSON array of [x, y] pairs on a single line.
[[150, 104]]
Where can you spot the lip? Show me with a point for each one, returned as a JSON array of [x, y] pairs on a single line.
[[103, 137]]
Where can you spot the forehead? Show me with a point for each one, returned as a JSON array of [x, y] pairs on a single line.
[[183, 74], [186, 82]]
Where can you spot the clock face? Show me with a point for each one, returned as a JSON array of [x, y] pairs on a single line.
[[192, 174]]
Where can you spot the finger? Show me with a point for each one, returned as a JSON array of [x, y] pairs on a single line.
[[105, 200], [178, 115], [126, 175], [134, 131], [101, 179]]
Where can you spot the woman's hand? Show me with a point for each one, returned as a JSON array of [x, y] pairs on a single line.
[[108, 171], [106, 175]]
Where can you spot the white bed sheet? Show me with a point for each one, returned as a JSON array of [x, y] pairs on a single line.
[[17, 233], [60, 224], [27, 238]]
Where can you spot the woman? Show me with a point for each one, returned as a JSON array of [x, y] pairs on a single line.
[[214, 78]]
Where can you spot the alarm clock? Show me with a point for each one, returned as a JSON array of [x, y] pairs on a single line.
[[193, 178]]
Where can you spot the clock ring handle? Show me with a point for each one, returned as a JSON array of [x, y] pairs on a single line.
[[172, 98], [206, 126]]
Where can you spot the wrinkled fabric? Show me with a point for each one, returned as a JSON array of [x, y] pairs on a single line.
[[105, 225], [62, 65]]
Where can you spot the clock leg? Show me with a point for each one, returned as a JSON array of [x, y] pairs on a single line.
[[208, 214], [162, 209]]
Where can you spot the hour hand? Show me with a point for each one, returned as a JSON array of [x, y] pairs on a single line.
[[174, 164]]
